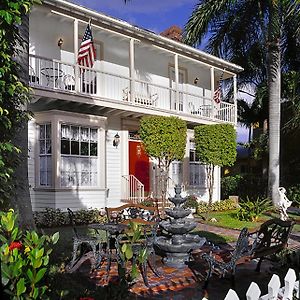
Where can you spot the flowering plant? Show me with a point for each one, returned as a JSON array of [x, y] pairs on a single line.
[[24, 258]]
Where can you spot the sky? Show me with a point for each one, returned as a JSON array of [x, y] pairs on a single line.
[[154, 15]]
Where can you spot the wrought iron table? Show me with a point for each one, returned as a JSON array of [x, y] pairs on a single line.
[[112, 231]]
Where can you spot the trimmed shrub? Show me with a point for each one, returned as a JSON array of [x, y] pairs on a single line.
[[191, 202], [223, 205], [245, 185], [55, 217], [230, 185]]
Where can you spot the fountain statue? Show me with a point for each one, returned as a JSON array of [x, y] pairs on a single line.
[[178, 245]]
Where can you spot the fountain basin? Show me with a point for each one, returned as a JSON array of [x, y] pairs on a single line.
[[178, 227], [177, 212], [178, 254]]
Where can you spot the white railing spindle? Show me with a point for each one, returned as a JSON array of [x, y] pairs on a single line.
[[133, 189], [51, 73]]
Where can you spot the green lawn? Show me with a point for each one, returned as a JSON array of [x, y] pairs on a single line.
[[227, 219]]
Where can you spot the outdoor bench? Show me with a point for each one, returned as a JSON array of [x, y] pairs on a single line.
[[271, 238], [147, 215]]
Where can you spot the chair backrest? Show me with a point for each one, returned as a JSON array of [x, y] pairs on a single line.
[[147, 215], [72, 221], [242, 245], [274, 233]]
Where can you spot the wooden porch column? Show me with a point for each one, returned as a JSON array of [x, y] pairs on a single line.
[[131, 70], [212, 87], [76, 70], [176, 81], [235, 98]]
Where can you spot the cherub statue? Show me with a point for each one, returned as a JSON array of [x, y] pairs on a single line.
[[284, 203]]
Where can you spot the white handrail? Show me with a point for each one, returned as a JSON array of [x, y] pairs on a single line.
[[58, 75], [133, 189]]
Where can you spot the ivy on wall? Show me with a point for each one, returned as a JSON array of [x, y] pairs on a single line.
[[14, 92]]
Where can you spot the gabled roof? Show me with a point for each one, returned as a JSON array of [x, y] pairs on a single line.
[[140, 33]]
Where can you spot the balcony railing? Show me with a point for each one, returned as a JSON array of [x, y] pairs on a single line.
[[54, 74]]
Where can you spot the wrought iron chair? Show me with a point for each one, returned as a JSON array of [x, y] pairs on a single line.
[[80, 240], [227, 264]]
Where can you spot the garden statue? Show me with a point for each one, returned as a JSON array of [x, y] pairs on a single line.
[[284, 203]]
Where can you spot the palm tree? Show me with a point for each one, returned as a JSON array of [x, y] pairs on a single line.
[[240, 31]]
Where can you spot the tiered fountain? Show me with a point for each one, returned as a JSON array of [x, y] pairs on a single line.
[[179, 244]]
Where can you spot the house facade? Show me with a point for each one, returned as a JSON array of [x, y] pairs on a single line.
[[84, 147]]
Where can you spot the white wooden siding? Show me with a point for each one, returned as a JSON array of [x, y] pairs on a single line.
[[74, 199], [113, 165]]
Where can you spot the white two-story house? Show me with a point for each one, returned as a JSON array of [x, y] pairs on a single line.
[[84, 147]]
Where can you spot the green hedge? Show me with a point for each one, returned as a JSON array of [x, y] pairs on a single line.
[[55, 217], [222, 205]]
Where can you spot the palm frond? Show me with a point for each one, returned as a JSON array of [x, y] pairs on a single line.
[[198, 24]]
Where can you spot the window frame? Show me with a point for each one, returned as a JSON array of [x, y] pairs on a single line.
[[56, 118], [195, 162]]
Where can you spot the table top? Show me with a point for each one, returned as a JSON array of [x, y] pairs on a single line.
[[52, 72], [112, 228]]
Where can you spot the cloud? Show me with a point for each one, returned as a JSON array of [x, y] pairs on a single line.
[[136, 6]]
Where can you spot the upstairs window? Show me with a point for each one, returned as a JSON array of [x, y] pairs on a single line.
[[79, 156]]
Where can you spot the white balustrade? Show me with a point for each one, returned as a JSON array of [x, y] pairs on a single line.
[[54, 74], [274, 290], [133, 189]]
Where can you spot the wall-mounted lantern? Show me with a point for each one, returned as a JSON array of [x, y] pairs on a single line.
[[60, 42], [116, 140]]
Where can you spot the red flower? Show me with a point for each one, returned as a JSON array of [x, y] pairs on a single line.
[[14, 245]]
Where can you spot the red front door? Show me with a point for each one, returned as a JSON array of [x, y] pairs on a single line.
[[139, 163]]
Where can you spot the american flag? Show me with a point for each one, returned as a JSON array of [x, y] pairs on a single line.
[[87, 52], [218, 91]]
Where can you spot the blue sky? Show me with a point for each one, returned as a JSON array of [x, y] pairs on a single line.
[[154, 15]]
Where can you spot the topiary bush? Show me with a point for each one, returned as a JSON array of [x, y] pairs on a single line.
[[55, 217], [223, 205]]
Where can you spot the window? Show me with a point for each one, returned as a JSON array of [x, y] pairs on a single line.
[[45, 156], [79, 156], [197, 170]]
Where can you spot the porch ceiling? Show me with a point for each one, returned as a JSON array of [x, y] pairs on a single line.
[[44, 100]]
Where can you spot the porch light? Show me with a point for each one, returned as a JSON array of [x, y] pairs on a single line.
[[116, 140], [196, 80], [60, 42]]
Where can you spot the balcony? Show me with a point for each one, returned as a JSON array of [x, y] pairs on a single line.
[[57, 76]]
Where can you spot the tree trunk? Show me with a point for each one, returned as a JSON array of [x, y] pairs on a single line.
[[21, 200], [274, 103], [210, 176]]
